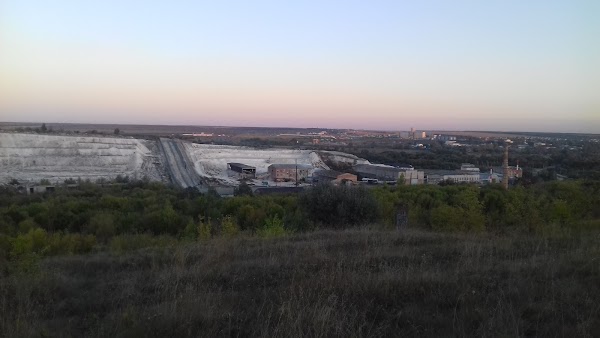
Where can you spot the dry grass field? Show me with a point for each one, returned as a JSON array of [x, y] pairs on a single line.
[[347, 284]]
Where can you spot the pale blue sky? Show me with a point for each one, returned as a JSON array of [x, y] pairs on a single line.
[[507, 65]]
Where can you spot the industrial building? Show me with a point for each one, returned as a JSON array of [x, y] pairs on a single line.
[[245, 171], [468, 167], [413, 177], [381, 173], [289, 172], [513, 172], [490, 178], [455, 176], [389, 173], [40, 189], [334, 177]]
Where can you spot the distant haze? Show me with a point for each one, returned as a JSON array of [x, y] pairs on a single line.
[[389, 65]]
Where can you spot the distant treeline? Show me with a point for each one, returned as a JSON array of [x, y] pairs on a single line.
[[90, 216]]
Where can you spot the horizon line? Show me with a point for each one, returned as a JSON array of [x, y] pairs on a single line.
[[287, 127]]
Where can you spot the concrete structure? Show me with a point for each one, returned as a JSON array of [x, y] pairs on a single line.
[[413, 177], [245, 171], [455, 176], [389, 173], [40, 189], [334, 177], [289, 172]]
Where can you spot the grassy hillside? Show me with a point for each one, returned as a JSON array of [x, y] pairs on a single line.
[[325, 283]]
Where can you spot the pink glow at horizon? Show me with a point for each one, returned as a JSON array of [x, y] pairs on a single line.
[[390, 75]]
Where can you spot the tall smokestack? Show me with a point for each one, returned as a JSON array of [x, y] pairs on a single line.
[[505, 165]]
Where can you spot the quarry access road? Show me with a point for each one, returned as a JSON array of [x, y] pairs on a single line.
[[180, 167]]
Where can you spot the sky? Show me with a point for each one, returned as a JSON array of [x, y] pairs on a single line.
[[509, 65]]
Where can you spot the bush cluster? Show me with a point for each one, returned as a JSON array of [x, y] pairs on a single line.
[[74, 220], [567, 205]]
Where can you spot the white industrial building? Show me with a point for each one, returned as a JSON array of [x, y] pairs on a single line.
[[455, 176], [389, 173]]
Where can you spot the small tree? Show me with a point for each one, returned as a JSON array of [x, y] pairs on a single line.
[[273, 227], [117, 131], [204, 229], [401, 180], [243, 189], [190, 231], [44, 129], [229, 227]]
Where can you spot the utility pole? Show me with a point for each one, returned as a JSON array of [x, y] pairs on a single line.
[[296, 172]]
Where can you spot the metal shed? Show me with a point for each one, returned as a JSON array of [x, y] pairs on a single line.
[[245, 170]]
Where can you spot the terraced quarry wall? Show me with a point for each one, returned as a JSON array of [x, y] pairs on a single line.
[[210, 161], [32, 157]]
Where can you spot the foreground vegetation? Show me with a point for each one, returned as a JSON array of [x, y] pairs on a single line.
[[145, 259], [324, 283], [133, 215]]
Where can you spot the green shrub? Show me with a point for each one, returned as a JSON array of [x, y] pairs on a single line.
[[5, 247], [339, 206], [190, 232], [448, 218], [39, 242], [34, 241], [204, 230], [26, 225], [102, 225], [229, 227], [273, 228], [70, 244]]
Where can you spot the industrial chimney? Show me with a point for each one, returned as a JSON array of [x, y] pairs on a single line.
[[505, 164]]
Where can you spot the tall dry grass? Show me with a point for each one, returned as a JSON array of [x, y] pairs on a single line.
[[347, 283]]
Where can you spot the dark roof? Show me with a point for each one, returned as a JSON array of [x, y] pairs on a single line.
[[290, 166], [370, 167], [401, 165], [328, 173], [449, 172], [240, 165]]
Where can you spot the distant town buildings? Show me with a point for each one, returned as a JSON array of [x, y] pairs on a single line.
[[202, 134], [413, 134], [445, 138]]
